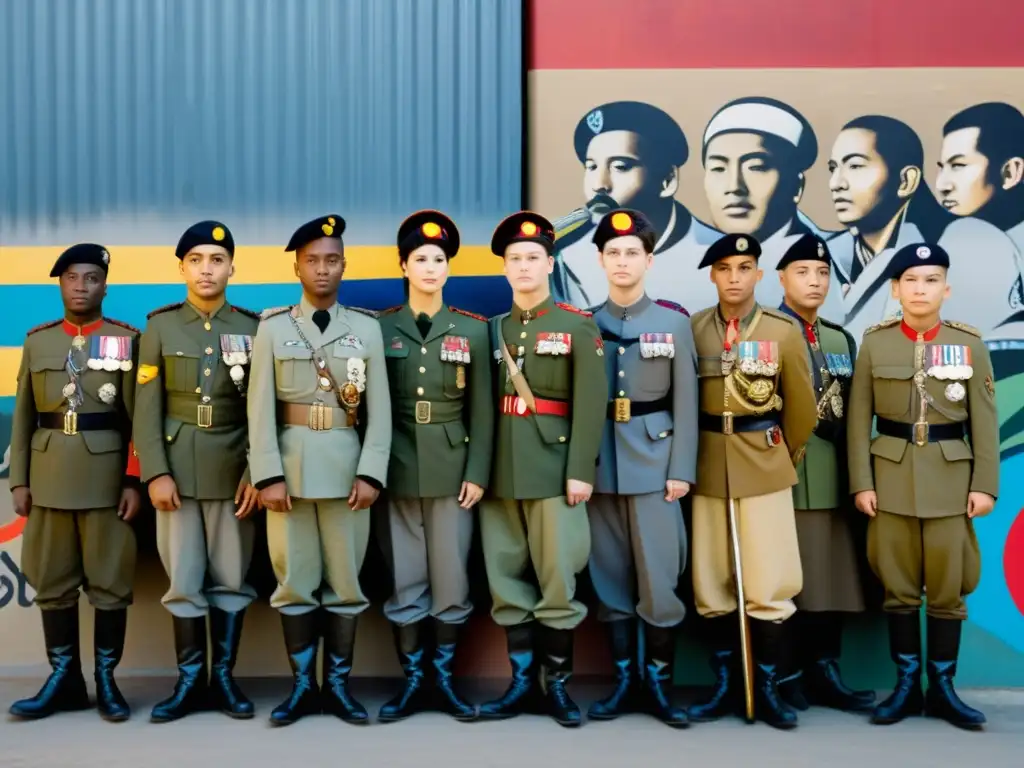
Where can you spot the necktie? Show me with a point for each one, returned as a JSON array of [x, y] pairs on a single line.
[[812, 337], [322, 318], [423, 323], [732, 333]]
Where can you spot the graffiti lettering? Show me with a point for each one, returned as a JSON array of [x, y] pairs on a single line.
[[13, 590]]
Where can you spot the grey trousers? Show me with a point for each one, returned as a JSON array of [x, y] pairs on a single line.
[[430, 540], [205, 551], [638, 552]]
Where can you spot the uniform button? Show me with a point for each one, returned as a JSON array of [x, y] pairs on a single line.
[[206, 372], [206, 398], [179, 354], [466, 440], [209, 350], [622, 393], [207, 325], [522, 335], [422, 369], [622, 350], [663, 434], [423, 350], [561, 438], [169, 438], [199, 390], [622, 374], [419, 391]]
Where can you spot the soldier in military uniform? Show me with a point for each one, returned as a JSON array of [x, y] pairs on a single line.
[[552, 391], [443, 430], [757, 411], [829, 544], [317, 368], [191, 437], [70, 454], [648, 461], [932, 469]]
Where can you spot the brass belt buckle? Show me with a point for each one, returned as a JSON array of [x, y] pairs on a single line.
[[70, 422], [321, 417], [727, 423], [920, 433], [423, 411], [622, 410], [204, 416]]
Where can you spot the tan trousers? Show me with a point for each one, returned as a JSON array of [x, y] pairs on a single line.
[[65, 551], [317, 551], [911, 555], [769, 554], [551, 534], [206, 552]]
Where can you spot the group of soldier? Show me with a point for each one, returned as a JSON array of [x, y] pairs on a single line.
[[570, 435]]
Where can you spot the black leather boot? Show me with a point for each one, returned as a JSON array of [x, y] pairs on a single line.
[[446, 637], [822, 681], [521, 694], [339, 651], [791, 671], [108, 645], [769, 639], [727, 694], [225, 695], [191, 691], [556, 672], [622, 638], [64, 690], [657, 683], [301, 641], [412, 654], [942, 700], [905, 648]]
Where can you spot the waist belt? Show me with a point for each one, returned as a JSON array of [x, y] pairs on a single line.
[[189, 409], [829, 430], [728, 424], [921, 433], [429, 411], [318, 417], [513, 405], [72, 422], [623, 409]]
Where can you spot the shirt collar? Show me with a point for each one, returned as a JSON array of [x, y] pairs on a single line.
[[911, 334], [619, 312], [81, 330], [524, 315]]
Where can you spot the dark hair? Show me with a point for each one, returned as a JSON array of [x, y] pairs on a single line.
[[1000, 132], [895, 141]]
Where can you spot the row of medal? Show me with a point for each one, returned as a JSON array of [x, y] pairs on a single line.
[[107, 353], [455, 349], [553, 344], [758, 358], [657, 345]]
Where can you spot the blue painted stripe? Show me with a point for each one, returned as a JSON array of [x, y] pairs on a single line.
[[27, 306]]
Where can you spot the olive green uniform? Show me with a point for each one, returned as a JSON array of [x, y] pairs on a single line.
[[928, 396], [525, 516], [75, 466], [443, 432], [191, 424]]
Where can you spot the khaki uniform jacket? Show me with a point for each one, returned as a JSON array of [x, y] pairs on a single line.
[[442, 402], [744, 464], [317, 464], [184, 381], [84, 470], [934, 479]]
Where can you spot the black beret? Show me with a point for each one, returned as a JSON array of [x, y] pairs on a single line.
[[331, 225], [620, 223], [917, 255], [205, 233], [83, 253], [808, 247], [768, 117], [646, 120], [425, 227], [730, 245], [525, 226]]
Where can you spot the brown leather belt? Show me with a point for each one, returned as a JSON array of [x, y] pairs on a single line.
[[318, 417]]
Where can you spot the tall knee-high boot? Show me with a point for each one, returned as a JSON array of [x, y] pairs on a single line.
[[792, 680], [769, 642], [446, 639], [556, 673], [822, 680], [622, 638], [301, 641], [658, 668], [108, 646], [226, 696], [943, 653], [64, 690], [727, 694], [907, 699], [191, 691], [520, 696], [339, 653], [412, 654]]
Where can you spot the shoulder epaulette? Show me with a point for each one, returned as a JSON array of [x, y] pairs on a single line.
[[120, 324], [887, 323], [390, 310], [246, 312], [571, 308], [43, 326], [700, 314], [270, 312], [363, 311], [850, 341], [165, 308], [474, 315], [671, 305], [962, 327]]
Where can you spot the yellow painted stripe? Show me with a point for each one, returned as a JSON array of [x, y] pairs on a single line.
[[10, 361], [136, 265]]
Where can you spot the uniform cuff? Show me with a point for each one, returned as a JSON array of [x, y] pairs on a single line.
[[268, 482], [376, 484]]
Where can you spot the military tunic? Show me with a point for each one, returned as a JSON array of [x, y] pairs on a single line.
[[825, 517], [299, 433], [525, 516], [73, 465], [937, 441], [443, 433], [754, 425], [638, 539], [191, 424]]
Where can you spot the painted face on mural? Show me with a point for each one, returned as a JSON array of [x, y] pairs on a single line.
[[805, 283], [963, 180], [427, 268], [615, 167], [858, 176], [625, 261], [742, 182], [921, 291], [735, 277], [527, 266]]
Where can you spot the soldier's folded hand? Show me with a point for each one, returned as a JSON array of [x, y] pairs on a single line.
[[577, 491], [275, 497], [676, 489], [470, 495], [163, 492], [129, 505], [979, 504], [22, 498], [246, 499], [866, 502], [363, 495]]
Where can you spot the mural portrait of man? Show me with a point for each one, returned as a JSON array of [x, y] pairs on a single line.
[[756, 152], [631, 153], [879, 195]]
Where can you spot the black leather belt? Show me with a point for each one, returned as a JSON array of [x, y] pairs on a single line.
[[930, 433], [727, 425], [642, 409], [84, 422]]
